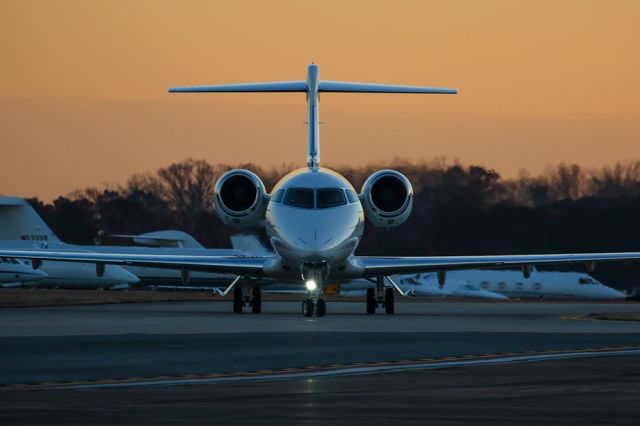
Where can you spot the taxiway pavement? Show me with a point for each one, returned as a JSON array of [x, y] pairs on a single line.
[[46, 353]]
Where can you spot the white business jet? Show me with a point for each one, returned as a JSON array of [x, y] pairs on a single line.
[[22, 229], [14, 272], [315, 220], [498, 284]]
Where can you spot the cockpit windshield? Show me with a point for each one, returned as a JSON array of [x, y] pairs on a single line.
[[330, 197], [299, 197], [308, 198]]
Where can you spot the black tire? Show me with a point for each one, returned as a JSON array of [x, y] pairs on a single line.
[[256, 301], [389, 305], [237, 300], [371, 301], [307, 308], [321, 308]]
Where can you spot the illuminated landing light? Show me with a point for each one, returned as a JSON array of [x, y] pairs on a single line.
[[311, 285]]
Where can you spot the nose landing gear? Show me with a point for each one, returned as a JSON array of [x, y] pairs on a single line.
[[314, 305], [313, 276]]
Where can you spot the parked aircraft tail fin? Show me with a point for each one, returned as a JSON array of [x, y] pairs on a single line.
[[19, 221]]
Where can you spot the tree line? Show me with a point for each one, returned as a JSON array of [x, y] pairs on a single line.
[[458, 210]]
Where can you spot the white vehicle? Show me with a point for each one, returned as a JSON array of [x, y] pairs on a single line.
[[15, 272], [314, 219]]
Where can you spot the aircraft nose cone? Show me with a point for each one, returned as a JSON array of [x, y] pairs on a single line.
[[615, 294], [124, 276], [321, 239], [318, 242]]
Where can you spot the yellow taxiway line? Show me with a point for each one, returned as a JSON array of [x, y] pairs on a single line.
[[333, 369]]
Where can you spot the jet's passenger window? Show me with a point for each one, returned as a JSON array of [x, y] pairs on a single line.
[[326, 198], [299, 197], [351, 196], [278, 196]]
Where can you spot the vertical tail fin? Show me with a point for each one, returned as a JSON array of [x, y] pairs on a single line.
[[19, 221], [313, 86]]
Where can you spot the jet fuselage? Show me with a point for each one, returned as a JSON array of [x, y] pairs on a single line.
[[314, 218]]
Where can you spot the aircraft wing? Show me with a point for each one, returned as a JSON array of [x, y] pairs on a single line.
[[236, 265], [379, 266]]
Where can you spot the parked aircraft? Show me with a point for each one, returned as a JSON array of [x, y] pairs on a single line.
[[415, 287], [22, 226], [22, 229], [511, 284], [70, 274], [14, 272], [314, 220]]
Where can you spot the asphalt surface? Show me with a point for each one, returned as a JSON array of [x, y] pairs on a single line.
[[592, 391], [285, 317], [48, 357]]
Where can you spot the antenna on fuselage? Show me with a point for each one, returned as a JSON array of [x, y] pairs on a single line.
[[312, 86]]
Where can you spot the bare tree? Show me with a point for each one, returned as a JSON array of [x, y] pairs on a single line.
[[188, 189]]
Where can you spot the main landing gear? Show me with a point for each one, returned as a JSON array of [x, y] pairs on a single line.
[[387, 301], [240, 300]]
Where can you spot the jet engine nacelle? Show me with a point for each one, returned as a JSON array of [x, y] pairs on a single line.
[[387, 197], [240, 198]]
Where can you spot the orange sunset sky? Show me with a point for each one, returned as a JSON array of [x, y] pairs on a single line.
[[83, 98]]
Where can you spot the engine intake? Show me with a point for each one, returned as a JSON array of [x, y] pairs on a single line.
[[240, 198], [387, 197]]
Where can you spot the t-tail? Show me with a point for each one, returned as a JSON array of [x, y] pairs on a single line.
[[312, 86]]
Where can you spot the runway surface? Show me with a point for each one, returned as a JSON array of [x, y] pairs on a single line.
[[194, 353]]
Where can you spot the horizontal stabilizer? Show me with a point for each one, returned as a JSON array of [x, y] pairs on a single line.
[[324, 86], [276, 86], [346, 87]]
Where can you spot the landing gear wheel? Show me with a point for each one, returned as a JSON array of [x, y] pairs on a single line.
[[371, 301], [321, 308], [389, 306], [256, 301], [307, 308], [237, 300]]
